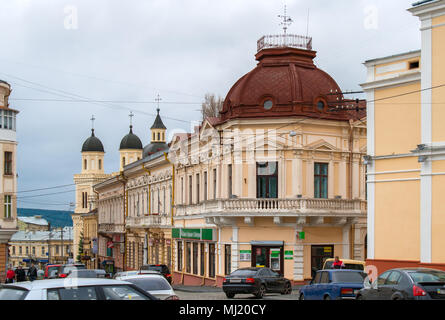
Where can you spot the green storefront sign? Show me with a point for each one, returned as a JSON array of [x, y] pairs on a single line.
[[193, 234], [288, 255]]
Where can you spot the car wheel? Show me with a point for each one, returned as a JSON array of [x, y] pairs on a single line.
[[230, 295], [287, 289], [359, 297], [301, 297], [327, 298], [261, 292]]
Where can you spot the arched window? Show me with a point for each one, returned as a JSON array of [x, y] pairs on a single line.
[[85, 164], [100, 164], [123, 161], [163, 136], [159, 136], [154, 136]]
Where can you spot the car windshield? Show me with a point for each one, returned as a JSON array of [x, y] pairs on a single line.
[[151, 284], [244, 273], [328, 264], [427, 276], [83, 274], [348, 277], [12, 294], [122, 292]]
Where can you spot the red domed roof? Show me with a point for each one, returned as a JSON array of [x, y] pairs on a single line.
[[289, 79]]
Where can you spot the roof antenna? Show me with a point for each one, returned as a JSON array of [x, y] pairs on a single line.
[[307, 26], [287, 21]]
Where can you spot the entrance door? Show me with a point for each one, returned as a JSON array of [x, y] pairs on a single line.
[[318, 256], [268, 257]]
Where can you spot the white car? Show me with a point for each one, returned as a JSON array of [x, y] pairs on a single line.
[[73, 289], [153, 283]]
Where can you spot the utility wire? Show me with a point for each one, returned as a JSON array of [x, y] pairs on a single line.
[[41, 189]]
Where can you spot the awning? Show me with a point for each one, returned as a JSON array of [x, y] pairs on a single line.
[[267, 243], [43, 260]]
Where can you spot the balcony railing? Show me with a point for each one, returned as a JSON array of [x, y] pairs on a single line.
[[111, 228], [149, 221], [324, 207], [283, 41]]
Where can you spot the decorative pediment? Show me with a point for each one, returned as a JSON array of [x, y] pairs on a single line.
[[321, 145]]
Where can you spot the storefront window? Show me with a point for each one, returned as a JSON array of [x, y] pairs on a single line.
[[202, 251], [211, 260], [188, 256], [179, 258], [228, 259], [195, 258]]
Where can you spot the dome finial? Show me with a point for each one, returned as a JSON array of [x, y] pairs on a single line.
[[158, 100], [131, 115], [92, 125]]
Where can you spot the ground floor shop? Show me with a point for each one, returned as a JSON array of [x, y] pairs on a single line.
[[110, 250], [204, 256], [3, 261], [148, 246]]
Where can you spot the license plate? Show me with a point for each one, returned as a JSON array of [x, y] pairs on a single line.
[[235, 281], [440, 291]]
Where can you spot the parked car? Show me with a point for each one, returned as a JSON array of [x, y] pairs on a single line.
[[256, 281], [406, 284], [51, 271], [154, 284], [334, 284], [85, 273], [125, 273], [73, 289], [349, 264], [66, 268], [162, 268]]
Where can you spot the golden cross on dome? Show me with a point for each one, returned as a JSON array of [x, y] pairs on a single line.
[[287, 20]]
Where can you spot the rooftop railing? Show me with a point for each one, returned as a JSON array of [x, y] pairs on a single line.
[[283, 41]]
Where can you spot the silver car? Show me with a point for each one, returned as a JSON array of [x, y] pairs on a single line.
[[153, 283], [73, 289]]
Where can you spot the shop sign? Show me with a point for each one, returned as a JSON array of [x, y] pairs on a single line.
[[245, 255], [301, 235], [194, 234], [275, 253], [327, 249], [288, 255]]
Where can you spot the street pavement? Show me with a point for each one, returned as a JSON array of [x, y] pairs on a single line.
[[215, 293]]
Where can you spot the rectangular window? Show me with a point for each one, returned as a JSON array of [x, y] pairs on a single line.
[[188, 257], [229, 182], [8, 207], [27, 250], [169, 257], [202, 258], [211, 260], [179, 267], [214, 184], [197, 188], [13, 250], [195, 258], [267, 180], [205, 186], [182, 190], [34, 250], [20, 251], [57, 249], [190, 190], [8, 163], [228, 259], [43, 251], [321, 180]]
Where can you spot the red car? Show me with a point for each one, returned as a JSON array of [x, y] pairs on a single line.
[[65, 269], [51, 271]]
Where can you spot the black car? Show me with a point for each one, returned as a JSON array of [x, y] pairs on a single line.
[[256, 281], [161, 268], [406, 284]]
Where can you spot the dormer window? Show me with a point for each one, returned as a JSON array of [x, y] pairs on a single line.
[[320, 105], [268, 104]]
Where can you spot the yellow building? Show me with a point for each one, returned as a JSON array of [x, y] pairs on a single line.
[[41, 247], [35, 223], [277, 180], [8, 180], [406, 149], [90, 239]]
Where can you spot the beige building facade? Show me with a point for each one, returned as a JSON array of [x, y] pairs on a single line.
[[277, 180], [406, 148], [8, 178]]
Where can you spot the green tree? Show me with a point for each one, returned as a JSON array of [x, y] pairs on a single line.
[[80, 251]]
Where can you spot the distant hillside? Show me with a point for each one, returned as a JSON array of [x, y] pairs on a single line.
[[54, 217]]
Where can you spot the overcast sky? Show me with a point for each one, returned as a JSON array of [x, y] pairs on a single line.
[[181, 49]]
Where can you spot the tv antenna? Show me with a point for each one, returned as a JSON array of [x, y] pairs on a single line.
[[287, 20]]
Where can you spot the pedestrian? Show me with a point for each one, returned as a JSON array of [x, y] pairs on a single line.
[[32, 273], [338, 264], [20, 274], [10, 275]]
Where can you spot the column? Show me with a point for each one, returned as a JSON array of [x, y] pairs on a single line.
[[310, 178], [298, 256], [356, 176], [251, 179], [342, 178], [331, 178], [346, 242], [235, 249]]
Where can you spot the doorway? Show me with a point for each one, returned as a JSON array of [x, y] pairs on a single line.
[[268, 257], [319, 254]]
